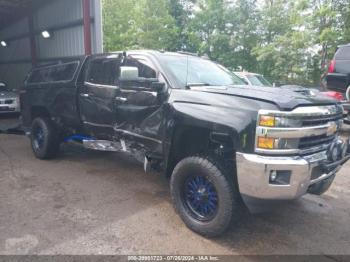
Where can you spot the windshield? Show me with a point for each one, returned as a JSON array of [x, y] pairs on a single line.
[[191, 71], [258, 80]]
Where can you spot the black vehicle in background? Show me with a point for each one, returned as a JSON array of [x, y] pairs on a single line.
[[338, 77], [221, 143]]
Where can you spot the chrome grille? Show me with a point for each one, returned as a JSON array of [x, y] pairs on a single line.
[[313, 141], [320, 120]]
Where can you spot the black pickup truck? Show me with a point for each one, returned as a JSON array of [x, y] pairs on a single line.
[[223, 144]]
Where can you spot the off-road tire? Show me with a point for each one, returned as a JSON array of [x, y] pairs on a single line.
[[228, 196], [50, 138]]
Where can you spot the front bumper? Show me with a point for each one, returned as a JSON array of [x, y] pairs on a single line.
[[253, 174], [9, 108]]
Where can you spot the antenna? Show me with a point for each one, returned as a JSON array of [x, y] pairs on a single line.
[[187, 71]]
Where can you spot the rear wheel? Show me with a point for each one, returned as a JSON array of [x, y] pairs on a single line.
[[44, 138], [204, 195]]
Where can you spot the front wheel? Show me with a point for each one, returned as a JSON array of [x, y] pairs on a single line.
[[204, 195], [44, 138]]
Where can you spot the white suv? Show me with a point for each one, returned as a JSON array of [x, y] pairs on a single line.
[[253, 79], [9, 100]]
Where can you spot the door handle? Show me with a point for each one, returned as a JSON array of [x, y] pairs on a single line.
[[84, 95], [121, 99]]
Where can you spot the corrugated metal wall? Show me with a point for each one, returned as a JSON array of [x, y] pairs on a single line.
[[15, 59]]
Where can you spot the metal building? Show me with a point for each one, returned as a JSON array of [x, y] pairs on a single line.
[[37, 31]]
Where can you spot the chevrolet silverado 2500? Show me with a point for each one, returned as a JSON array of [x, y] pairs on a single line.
[[222, 143]]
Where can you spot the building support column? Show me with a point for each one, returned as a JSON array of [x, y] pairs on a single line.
[[87, 26]]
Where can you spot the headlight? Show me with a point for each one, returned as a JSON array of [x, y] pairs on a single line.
[[263, 141], [266, 121], [278, 121]]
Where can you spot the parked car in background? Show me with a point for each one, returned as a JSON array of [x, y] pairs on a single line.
[[253, 79], [338, 76], [9, 100]]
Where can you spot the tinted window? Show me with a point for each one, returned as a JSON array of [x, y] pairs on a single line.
[[62, 72], [144, 70], [103, 71], [343, 53]]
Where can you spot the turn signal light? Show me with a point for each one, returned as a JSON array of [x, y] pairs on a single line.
[[266, 142], [267, 121]]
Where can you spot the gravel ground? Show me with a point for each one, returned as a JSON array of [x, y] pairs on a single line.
[[87, 202]]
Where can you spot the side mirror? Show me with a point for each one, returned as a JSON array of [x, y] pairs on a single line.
[[129, 73]]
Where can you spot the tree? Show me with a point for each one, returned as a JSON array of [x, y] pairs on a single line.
[[155, 28], [117, 24], [287, 41]]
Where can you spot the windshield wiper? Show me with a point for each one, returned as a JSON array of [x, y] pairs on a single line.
[[189, 85]]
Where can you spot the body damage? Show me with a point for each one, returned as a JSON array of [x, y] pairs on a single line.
[[149, 120]]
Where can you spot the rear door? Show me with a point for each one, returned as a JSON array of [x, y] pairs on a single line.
[[97, 95]]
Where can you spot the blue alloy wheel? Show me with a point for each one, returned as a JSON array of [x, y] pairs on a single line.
[[39, 138], [200, 197]]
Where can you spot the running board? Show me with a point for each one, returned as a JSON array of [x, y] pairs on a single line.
[[104, 145]]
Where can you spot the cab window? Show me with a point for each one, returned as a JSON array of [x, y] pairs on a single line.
[[103, 71]]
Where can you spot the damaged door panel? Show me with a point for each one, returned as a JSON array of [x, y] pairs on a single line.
[[138, 105]]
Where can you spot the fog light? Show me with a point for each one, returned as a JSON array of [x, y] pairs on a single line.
[[273, 175]]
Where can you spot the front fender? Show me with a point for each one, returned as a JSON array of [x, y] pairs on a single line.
[[238, 124]]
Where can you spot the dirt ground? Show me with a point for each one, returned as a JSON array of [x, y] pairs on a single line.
[[87, 202]]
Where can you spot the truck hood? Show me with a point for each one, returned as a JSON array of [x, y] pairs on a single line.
[[285, 99], [7, 95]]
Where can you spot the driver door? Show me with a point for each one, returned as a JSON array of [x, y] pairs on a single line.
[[138, 106]]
